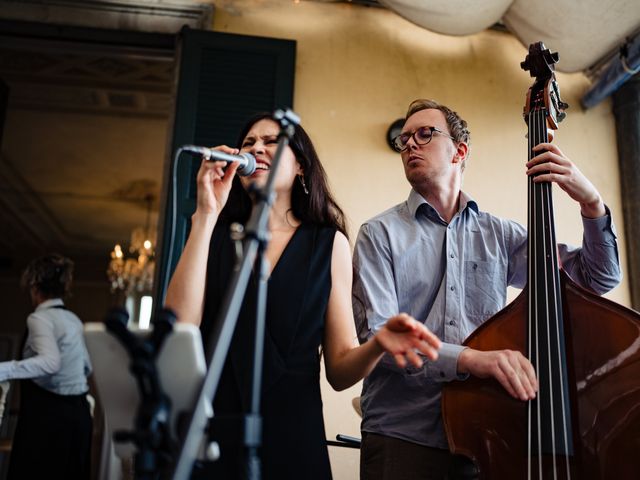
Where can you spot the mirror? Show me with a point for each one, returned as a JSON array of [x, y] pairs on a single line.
[[81, 167]]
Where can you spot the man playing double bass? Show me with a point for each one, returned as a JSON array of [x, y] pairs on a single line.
[[439, 258]]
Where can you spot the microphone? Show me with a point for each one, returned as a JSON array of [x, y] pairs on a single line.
[[246, 160]]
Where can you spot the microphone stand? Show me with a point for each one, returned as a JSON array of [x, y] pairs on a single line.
[[255, 243], [152, 432]]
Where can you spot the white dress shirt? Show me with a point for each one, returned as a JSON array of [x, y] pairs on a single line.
[[55, 355]]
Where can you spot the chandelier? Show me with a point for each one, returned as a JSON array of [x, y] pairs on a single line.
[[132, 271]]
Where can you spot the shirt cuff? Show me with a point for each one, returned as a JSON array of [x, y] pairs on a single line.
[[445, 368], [599, 230], [6, 370]]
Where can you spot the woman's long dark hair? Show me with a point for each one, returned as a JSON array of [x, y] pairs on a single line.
[[318, 207]]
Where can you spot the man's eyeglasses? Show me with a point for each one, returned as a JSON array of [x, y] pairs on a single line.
[[421, 136]]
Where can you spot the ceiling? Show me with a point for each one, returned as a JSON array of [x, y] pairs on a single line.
[[584, 32]]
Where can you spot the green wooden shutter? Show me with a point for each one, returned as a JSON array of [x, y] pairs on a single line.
[[223, 79]]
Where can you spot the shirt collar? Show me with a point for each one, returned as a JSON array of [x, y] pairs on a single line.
[[415, 200], [52, 302], [467, 201]]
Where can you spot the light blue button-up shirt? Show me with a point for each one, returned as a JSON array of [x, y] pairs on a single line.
[[452, 277]]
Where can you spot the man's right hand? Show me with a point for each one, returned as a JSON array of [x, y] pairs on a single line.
[[509, 367]]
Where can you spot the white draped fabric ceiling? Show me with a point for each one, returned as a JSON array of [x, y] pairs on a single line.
[[584, 32]]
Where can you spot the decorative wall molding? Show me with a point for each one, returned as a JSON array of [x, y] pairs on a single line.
[[143, 16], [116, 81]]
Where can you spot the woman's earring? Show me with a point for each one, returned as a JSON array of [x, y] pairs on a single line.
[[304, 185]]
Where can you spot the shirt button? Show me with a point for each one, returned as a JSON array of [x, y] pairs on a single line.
[[452, 288], [451, 255], [452, 322]]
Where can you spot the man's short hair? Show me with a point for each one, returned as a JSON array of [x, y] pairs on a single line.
[[457, 126]]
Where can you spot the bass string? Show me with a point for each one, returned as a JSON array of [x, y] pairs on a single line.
[[544, 308]]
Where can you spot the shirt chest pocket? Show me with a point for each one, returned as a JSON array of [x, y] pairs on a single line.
[[484, 289]]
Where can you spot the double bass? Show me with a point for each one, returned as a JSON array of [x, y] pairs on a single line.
[[584, 423]]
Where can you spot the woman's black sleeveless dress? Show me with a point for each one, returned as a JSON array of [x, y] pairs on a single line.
[[293, 440]]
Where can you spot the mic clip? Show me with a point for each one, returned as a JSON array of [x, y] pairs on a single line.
[[236, 233]]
